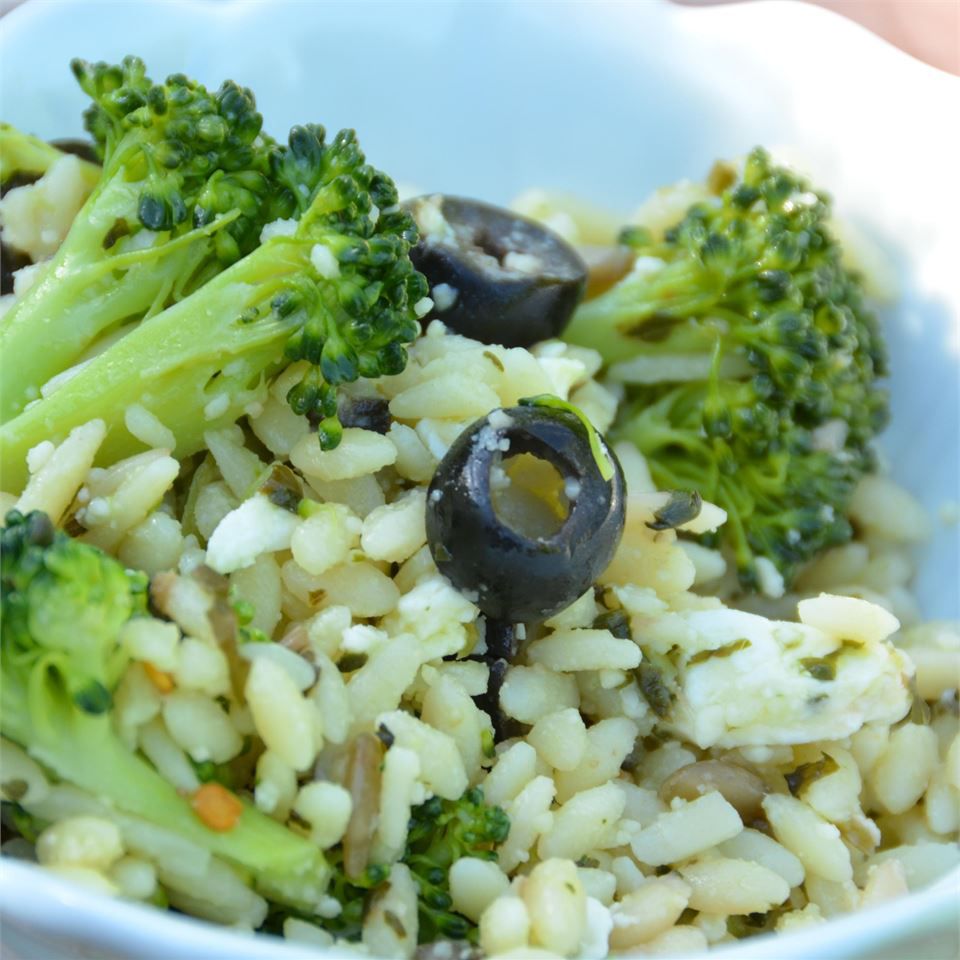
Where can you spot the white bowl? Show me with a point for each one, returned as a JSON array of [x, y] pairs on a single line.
[[605, 100]]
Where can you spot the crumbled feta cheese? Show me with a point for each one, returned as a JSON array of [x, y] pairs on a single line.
[[422, 307], [216, 407], [521, 263], [830, 437], [278, 228], [444, 296], [256, 526], [500, 420], [37, 217], [324, 262], [769, 578], [362, 638], [745, 680], [38, 456], [431, 221], [26, 277]]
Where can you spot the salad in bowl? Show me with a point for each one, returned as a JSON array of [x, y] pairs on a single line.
[[403, 574]]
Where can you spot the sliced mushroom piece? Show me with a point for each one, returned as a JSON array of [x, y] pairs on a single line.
[[741, 788]]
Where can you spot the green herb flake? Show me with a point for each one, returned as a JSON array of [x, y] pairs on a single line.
[[824, 668], [719, 652], [820, 668], [653, 688], [282, 488], [600, 455], [681, 508], [616, 621], [799, 779], [919, 708]]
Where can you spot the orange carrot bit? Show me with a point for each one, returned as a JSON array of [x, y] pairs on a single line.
[[217, 807], [162, 681]]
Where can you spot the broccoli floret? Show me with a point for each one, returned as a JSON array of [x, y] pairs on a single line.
[[338, 294], [64, 604], [742, 334], [440, 833], [184, 191], [24, 157]]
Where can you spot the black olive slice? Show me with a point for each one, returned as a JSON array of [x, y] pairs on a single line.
[[496, 277], [11, 260], [84, 149], [525, 568]]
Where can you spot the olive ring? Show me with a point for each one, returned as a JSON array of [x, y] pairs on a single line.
[[509, 574]]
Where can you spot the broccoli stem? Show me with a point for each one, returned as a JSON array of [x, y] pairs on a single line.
[[645, 309], [83, 749], [194, 366], [25, 154], [94, 292]]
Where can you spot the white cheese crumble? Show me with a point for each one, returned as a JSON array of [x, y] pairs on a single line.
[[500, 420], [324, 262], [422, 307], [769, 577], [278, 228], [216, 407], [38, 456], [256, 526], [444, 296], [525, 263]]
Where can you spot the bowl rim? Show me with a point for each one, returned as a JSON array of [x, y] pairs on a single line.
[[28, 893]]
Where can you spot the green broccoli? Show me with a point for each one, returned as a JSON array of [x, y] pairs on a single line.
[[26, 157], [338, 293], [184, 190], [739, 334], [440, 833], [64, 603]]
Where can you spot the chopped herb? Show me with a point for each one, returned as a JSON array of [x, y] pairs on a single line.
[[919, 708], [282, 487], [25, 824], [352, 661], [719, 652], [119, 229], [209, 772], [635, 237], [747, 926], [14, 790], [616, 621], [653, 688], [298, 820], [820, 668], [385, 735], [681, 508], [494, 359], [393, 922], [633, 759], [799, 779], [600, 455], [367, 413], [824, 668]]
